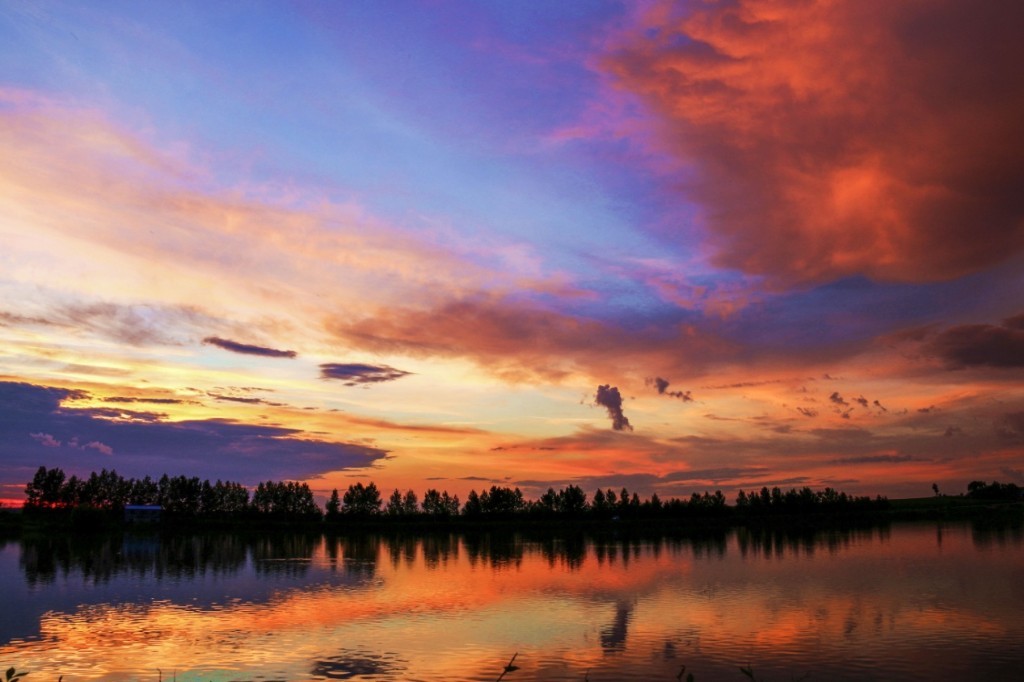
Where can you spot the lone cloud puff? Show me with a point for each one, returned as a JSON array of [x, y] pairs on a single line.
[[609, 397]]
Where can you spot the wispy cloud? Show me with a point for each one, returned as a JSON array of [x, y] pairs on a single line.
[[134, 399], [356, 374], [662, 387], [248, 349]]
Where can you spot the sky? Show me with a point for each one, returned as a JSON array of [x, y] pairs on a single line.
[[675, 247]]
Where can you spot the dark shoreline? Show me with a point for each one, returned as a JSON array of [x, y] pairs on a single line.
[[14, 523]]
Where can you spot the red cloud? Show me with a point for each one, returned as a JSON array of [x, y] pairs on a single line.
[[835, 138]]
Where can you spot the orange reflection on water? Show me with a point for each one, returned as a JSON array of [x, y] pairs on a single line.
[[457, 608]]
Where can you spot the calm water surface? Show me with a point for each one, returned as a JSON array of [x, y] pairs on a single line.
[[906, 602]]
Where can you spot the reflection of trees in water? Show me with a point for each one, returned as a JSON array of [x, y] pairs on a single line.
[[612, 548], [498, 549], [358, 553], [101, 557], [183, 556], [998, 530], [284, 554], [439, 548], [776, 542], [402, 549], [568, 550], [711, 544], [45, 557]]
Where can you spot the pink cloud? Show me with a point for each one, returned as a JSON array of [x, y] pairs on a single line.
[[45, 440], [99, 447], [837, 138]]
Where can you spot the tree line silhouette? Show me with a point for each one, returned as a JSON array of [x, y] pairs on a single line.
[[52, 489], [177, 495], [980, 490]]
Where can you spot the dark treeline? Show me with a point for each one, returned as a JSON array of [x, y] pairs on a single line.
[[980, 490], [51, 489], [189, 497]]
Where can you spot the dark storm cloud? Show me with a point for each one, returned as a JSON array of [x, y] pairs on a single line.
[[662, 387], [247, 349], [838, 399], [354, 374], [36, 430], [609, 397], [973, 345]]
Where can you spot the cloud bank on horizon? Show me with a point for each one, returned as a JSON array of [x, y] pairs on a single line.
[[217, 224]]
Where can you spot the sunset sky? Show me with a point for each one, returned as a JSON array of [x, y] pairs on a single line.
[[676, 246]]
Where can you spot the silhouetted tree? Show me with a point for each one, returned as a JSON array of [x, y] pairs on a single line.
[[572, 500], [996, 491], [360, 500], [472, 508], [502, 500], [44, 490], [333, 506], [440, 504]]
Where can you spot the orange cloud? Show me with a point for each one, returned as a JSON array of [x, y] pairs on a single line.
[[829, 139], [519, 341]]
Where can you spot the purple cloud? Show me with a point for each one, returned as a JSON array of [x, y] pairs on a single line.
[[36, 430], [247, 349], [609, 397], [662, 386], [355, 374]]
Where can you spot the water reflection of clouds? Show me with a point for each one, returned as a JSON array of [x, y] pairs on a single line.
[[372, 605]]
